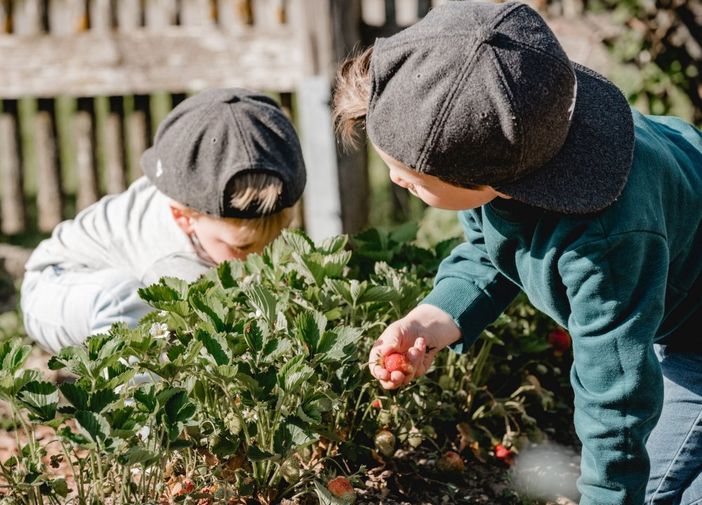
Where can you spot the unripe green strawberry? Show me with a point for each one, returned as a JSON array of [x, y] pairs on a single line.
[[233, 423], [385, 443], [415, 438], [450, 461], [446, 382], [290, 470], [385, 417], [398, 362], [342, 489]]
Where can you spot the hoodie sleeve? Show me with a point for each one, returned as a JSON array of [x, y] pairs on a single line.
[[616, 289], [468, 287]]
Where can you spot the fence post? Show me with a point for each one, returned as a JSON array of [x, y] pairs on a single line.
[[14, 217], [352, 165], [49, 194]]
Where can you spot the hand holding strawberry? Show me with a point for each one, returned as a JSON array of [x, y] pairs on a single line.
[[407, 347]]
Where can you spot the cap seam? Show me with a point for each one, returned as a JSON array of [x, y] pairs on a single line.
[[512, 99], [437, 124], [543, 53]]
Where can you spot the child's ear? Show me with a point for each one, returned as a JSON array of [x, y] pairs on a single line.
[[183, 218]]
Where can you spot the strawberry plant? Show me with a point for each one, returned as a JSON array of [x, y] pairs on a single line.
[[251, 383]]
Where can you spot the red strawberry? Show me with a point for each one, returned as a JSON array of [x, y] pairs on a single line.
[[377, 404], [399, 362], [559, 339], [385, 443], [341, 488], [450, 462], [504, 454]]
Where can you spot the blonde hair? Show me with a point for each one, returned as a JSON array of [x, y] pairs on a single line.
[[351, 96], [257, 188], [262, 190], [263, 229]]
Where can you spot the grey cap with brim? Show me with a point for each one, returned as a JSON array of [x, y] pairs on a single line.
[[217, 135], [478, 93]]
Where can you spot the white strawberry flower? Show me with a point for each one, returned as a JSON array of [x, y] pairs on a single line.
[[159, 330]]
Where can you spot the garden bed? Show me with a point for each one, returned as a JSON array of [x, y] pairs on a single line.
[[260, 394]]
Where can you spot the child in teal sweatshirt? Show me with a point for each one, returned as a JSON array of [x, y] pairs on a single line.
[[565, 193]]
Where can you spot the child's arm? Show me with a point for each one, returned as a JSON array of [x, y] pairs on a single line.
[[616, 289], [469, 293]]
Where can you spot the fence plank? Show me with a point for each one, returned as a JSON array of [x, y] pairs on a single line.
[[160, 13], [67, 17], [406, 12], [129, 15], [173, 59], [234, 15], [5, 25], [373, 12], [27, 17], [268, 14], [101, 15], [137, 136], [323, 205], [14, 217], [113, 137], [85, 155], [196, 13], [49, 197]]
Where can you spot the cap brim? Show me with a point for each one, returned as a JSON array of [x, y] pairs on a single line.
[[590, 170]]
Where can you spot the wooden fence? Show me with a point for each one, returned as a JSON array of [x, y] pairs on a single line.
[[84, 84]]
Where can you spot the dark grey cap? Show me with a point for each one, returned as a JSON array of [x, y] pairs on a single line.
[[216, 135], [481, 93]]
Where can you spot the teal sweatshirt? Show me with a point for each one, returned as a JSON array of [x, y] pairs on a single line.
[[618, 280]]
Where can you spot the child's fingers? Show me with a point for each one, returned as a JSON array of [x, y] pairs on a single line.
[[380, 373]]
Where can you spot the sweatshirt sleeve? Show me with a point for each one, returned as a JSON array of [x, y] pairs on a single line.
[[468, 287], [616, 289]]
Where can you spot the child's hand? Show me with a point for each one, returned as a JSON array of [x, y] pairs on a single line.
[[417, 337]]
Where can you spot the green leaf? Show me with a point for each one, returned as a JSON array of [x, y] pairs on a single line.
[[178, 285], [59, 487], [146, 398], [309, 326], [216, 346], [159, 293], [13, 354], [309, 414], [253, 336], [263, 301], [275, 349], [101, 399], [298, 241], [209, 309], [139, 456], [255, 453], [75, 394], [404, 233], [93, 425], [294, 373], [378, 294], [41, 398], [339, 344], [333, 244], [178, 408], [311, 269]]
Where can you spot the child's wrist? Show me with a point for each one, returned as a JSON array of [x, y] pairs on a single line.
[[437, 326]]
